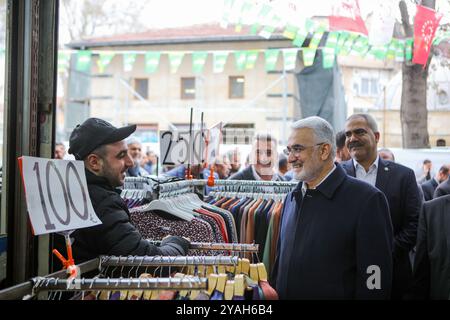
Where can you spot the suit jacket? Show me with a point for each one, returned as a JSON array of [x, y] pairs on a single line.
[[442, 189], [399, 185], [330, 237], [247, 174], [428, 189], [432, 263]]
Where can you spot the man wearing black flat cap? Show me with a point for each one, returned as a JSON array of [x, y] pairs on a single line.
[[104, 151]]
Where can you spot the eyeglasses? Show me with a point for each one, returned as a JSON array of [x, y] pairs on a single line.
[[298, 148]]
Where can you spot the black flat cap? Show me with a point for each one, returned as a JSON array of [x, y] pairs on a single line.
[[94, 133]]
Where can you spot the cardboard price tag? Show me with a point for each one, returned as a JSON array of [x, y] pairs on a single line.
[[180, 148], [57, 195]]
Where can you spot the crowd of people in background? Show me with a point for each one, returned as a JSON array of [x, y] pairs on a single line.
[[417, 203]]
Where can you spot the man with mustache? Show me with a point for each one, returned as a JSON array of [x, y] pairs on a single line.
[[263, 160], [105, 154], [335, 230], [397, 182]]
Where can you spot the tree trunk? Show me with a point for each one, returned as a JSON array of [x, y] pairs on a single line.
[[413, 109]]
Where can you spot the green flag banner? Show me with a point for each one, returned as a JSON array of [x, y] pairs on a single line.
[[252, 56], [361, 45], [84, 58], [308, 56], [104, 60], [300, 38], [198, 61], [347, 45], [263, 13], [63, 61], [310, 25], [315, 41], [175, 59], [441, 36], [220, 59], [240, 58], [343, 36], [392, 49], [254, 29], [409, 49], [290, 32], [129, 59], [245, 9], [290, 58], [271, 57], [332, 40], [328, 57], [379, 52], [400, 51], [152, 61], [269, 29]]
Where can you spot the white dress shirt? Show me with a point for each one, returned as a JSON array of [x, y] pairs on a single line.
[[369, 176]]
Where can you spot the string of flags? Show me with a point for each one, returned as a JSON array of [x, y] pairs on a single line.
[[345, 34], [352, 35], [338, 43]]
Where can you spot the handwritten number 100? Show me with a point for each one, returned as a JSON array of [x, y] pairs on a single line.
[[66, 192]]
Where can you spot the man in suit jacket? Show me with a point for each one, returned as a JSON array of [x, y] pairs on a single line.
[[263, 161], [397, 182], [442, 189], [432, 263], [336, 237], [430, 186]]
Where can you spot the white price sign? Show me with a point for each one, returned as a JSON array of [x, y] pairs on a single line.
[[179, 148], [57, 195], [214, 139]]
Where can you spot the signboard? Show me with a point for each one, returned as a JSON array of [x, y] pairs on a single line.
[[179, 147], [57, 195]]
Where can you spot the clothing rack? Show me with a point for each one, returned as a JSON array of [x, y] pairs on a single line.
[[255, 183], [21, 290], [56, 284], [164, 261], [235, 247], [247, 188]]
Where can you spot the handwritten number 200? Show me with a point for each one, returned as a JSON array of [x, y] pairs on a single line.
[[67, 195]]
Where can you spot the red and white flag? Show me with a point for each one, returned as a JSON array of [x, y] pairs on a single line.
[[346, 15], [426, 23]]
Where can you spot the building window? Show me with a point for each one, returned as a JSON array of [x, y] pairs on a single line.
[[236, 87], [187, 88], [441, 143], [147, 133], [141, 88], [241, 133], [443, 97], [369, 87]]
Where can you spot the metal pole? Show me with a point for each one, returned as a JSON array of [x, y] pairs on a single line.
[[285, 107]]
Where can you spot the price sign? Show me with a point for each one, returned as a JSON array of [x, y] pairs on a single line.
[[57, 195], [180, 148], [214, 139]]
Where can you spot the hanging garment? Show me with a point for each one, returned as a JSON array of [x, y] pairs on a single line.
[[157, 225]]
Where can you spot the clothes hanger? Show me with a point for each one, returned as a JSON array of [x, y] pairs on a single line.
[[229, 290], [165, 205], [239, 285]]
